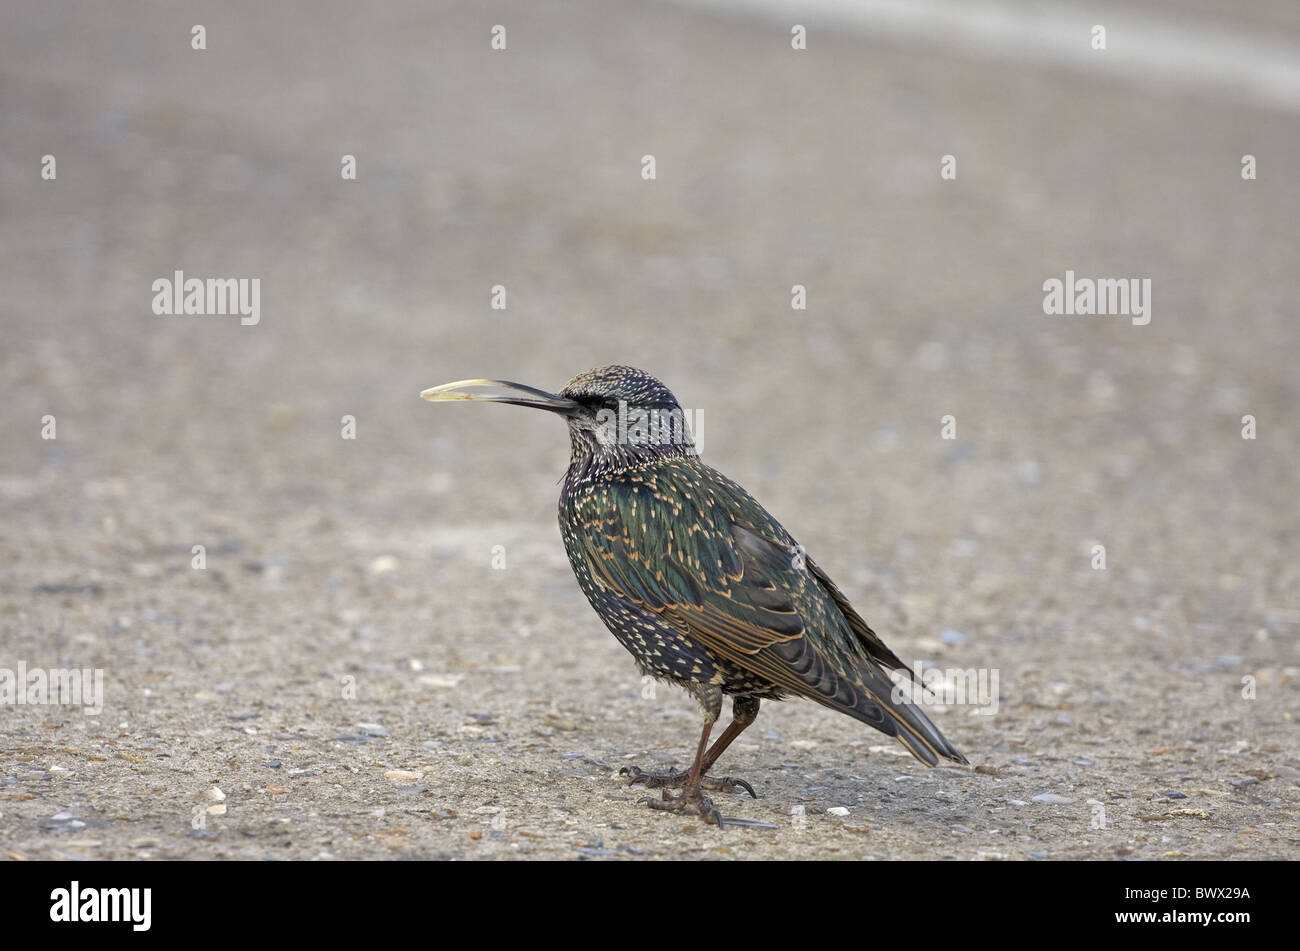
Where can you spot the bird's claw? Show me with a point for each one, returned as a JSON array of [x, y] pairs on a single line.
[[673, 779], [728, 784], [669, 780], [702, 805]]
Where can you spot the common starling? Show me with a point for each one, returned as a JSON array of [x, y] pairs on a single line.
[[697, 580]]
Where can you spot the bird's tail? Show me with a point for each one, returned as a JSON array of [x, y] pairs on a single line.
[[894, 710]]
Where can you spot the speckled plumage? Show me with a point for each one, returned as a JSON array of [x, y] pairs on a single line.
[[702, 586]]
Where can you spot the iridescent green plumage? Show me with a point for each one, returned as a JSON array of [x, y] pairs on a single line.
[[699, 582], [681, 540]]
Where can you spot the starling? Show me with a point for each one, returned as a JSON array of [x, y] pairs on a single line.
[[697, 580]]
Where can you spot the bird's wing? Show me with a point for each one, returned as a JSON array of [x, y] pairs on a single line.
[[683, 541]]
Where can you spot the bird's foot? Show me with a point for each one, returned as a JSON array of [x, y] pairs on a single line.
[[675, 780], [691, 798]]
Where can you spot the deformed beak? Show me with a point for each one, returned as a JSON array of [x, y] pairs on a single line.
[[505, 392]]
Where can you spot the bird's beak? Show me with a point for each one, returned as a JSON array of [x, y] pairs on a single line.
[[505, 392]]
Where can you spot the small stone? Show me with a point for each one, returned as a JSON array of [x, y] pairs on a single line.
[[217, 810], [384, 564], [275, 789], [476, 834], [371, 729], [837, 811], [1038, 856], [1083, 761], [446, 681], [1174, 794], [1052, 799], [215, 794], [403, 775]]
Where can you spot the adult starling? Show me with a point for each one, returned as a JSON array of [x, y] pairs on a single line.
[[697, 580]]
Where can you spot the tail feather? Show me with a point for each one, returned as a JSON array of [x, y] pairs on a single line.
[[896, 714]]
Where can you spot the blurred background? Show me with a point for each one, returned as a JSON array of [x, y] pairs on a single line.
[[523, 168]]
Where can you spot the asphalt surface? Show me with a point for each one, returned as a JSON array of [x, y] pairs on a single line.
[[351, 671]]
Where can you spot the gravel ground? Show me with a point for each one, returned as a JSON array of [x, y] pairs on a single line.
[[349, 668]]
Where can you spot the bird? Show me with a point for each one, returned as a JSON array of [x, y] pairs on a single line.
[[699, 583]]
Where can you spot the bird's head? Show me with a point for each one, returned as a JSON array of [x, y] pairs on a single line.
[[616, 415]]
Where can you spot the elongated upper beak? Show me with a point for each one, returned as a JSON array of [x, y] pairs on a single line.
[[506, 392]]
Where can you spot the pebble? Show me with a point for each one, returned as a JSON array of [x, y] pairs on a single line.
[[403, 775], [219, 809], [371, 729], [1083, 761], [1038, 856], [215, 794], [837, 811], [1175, 794], [441, 680], [1052, 799]]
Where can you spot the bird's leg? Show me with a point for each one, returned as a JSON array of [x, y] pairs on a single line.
[[691, 794], [744, 710]]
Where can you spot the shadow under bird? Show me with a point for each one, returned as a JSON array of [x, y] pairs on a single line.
[[697, 580]]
